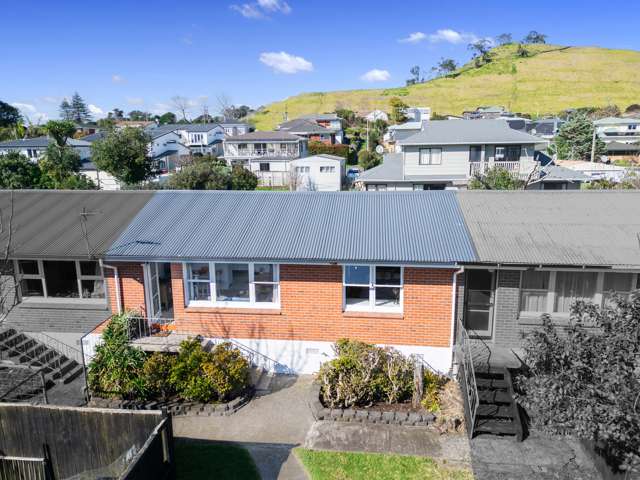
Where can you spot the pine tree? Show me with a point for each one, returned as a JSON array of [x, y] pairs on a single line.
[[79, 111], [65, 110]]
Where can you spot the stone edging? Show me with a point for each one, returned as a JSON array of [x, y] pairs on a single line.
[[177, 408], [365, 416]]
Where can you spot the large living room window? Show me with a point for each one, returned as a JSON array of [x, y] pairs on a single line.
[[373, 288], [231, 284], [555, 291], [60, 279]]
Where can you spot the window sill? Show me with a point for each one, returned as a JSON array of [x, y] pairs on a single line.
[[63, 304], [371, 314], [536, 320], [248, 310]]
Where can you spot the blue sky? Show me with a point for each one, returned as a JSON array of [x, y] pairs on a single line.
[[139, 54]]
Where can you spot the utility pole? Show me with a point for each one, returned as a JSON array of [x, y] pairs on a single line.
[[593, 145], [368, 135]]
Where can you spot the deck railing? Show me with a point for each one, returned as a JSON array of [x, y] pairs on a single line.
[[24, 468], [467, 377], [481, 168]]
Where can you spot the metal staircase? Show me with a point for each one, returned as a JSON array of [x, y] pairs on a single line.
[[57, 364]]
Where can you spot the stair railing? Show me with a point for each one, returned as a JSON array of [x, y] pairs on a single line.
[[65, 349], [467, 377], [53, 364]]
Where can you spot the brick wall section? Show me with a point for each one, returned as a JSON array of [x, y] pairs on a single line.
[[311, 309], [507, 332], [131, 286]]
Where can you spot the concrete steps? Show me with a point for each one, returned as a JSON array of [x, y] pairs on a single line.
[[497, 412]]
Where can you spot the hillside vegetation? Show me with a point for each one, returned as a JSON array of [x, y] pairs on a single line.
[[551, 79]]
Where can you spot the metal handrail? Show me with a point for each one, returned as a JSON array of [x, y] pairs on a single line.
[[53, 364], [471, 396], [61, 347]]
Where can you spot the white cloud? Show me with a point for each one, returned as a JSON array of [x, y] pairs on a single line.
[[376, 75], [283, 62], [25, 107], [451, 36], [97, 111], [187, 39], [135, 101], [261, 8], [117, 78], [415, 37], [51, 99]]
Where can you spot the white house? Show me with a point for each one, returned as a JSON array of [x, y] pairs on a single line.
[[596, 170], [418, 114], [374, 115], [322, 173], [267, 154], [621, 130], [447, 154], [232, 128]]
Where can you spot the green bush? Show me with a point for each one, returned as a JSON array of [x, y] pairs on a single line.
[[157, 373], [339, 150], [228, 371], [363, 374], [117, 367]]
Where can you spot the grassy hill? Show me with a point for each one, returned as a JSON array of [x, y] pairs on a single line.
[[551, 79]]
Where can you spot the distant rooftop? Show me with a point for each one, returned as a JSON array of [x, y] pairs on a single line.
[[465, 132], [40, 142], [301, 125]]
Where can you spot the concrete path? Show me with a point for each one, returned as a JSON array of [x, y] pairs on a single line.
[[538, 457], [269, 427]]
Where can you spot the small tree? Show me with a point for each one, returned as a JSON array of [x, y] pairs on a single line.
[[505, 39], [16, 171], [521, 51], [243, 179], [496, 178], [368, 159], [66, 112], [9, 115], [398, 108], [575, 139], [481, 51], [58, 164], [445, 66], [166, 118], [123, 154], [535, 37], [205, 173], [60, 131]]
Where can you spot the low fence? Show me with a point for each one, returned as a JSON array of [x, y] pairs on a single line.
[[99, 443]]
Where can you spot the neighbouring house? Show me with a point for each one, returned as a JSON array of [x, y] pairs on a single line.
[[596, 170], [233, 128], [267, 154], [321, 173], [487, 113], [103, 180], [546, 128], [620, 130], [447, 153], [418, 114], [198, 138], [330, 121], [554, 177], [623, 152], [374, 115], [309, 130], [417, 119], [134, 123], [34, 148], [286, 274], [85, 129]]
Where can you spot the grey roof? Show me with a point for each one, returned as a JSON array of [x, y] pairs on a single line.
[[391, 227], [569, 228], [39, 142], [390, 170], [320, 116], [616, 121], [322, 156], [468, 132], [94, 137], [556, 173], [300, 125], [622, 147], [47, 223], [269, 136]]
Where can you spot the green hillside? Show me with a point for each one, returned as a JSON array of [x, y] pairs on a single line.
[[552, 79]]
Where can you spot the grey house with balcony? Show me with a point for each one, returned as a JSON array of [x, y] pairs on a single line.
[[448, 153]]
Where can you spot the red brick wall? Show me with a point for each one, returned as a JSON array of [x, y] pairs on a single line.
[[131, 286], [311, 309]]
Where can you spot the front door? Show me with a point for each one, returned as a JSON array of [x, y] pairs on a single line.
[[152, 290], [478, 313]]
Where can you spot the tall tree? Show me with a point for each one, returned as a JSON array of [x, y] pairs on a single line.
[[575, 139], [182, 105], [66, 111], [60, 130], [535, 37], [415, 74], [165, 118], [124, 154], [79, 110], [116, 114], [505, 39], [58, 164], [9, 115], [139, 116]]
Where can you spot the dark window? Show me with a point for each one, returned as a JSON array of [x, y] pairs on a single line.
[[513, 153], [475, 153], [61, 279], [434, 186], [265, 167], [28, 267], [31, 287]]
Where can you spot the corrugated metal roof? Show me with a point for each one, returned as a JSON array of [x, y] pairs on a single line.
[[383, 227], [592, 228], [464, 132], [46, 223]]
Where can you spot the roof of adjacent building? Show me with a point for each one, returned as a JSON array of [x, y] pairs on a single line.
[[622, 147], [307, 227], [300, 125], [319, 158], [616, 121], [586, 166], [406, 126], [390, 170], [469, 132], [269, 136], [555, 173], [320, 116], [40, 142], [94, 137], [48, 223], [563, 228]]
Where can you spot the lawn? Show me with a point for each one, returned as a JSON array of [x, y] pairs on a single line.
[[323, 465], [201, 461]]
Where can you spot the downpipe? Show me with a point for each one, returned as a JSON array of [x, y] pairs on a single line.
[[454, 304], [116, 277]]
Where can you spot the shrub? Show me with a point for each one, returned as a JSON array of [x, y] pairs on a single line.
[[433, 384], [228, 371], [116, 368], [363, 374], [317, 148], [587, 381], [157, 373]]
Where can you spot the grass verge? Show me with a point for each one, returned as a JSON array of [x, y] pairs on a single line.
[[200, 461], [323, 465]]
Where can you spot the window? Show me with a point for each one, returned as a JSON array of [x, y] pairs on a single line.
[[534, 291], [377, 187], [234, 284], [430, 156], [572, 286], [616, 283], [513, 153], [329, 169], [475, 153], [302, 169], [499, 154], [265, 167], [60, 279], [377, 288]]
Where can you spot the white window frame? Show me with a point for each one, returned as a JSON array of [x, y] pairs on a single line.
[[214, 303], [429, 156], [598, 299], [372, 307], [41, 276], [327, 169]]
